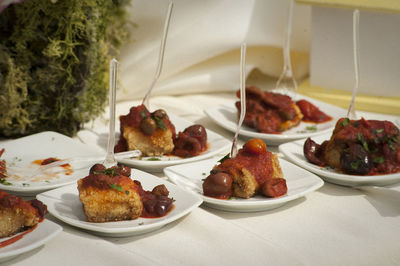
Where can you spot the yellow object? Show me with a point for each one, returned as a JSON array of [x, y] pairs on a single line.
[[373, 5], [363, 102]]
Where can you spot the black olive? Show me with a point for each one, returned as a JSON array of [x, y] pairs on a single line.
[[125, 170], [160, 113], [148, 125], [356, 160], [160, 190], [310, 150], [217, 184], [97, 168]]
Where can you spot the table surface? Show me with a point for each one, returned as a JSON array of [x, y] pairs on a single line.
[[334, 225]]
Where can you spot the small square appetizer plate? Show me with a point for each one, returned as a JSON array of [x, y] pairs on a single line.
[[216, 145], [190, 176], [27, 153], [227, 117], [294, 152], [64, 204], [28, 240]]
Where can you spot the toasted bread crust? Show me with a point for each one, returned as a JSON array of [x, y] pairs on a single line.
[[159, 143]]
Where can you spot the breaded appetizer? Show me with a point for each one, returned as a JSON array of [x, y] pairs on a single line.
[[151, 133], [253, 171], [17, 215], [358, 147], [269, 112], [109, 195]]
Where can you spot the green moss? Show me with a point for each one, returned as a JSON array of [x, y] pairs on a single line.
[[54, 63]]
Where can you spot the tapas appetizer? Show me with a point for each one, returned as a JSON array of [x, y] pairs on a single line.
[[358, 147], [273, 113], [18, 215], [109, 194], [154, 135], [254, 170]]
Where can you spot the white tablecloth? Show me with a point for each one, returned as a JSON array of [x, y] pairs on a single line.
[[335, 225]]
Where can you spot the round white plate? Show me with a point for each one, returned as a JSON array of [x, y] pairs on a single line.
[[227, 117], [216, 145], [20, 153], [64, 204], [44, 231], [191, 176], [294, 152]]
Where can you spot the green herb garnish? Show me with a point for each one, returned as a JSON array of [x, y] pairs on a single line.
[[379, 130], [110, 172], [116, 187], [160, 123], [5, 182], [363, 142], [378, 159], [143, 113], [312, 128], [228, 156], [25, 184], [127, 192], [153, 159], [345, 122], [355, 164]]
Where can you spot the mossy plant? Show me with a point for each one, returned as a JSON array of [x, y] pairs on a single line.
[[54, 59]]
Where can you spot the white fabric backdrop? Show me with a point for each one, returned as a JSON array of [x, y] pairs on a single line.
[[202, 51]]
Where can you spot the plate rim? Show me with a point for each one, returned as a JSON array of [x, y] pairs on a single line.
[[333, 177], [259, 205], [275, 138], [56, 229], [27, 190], [119, 231], [161, 164]]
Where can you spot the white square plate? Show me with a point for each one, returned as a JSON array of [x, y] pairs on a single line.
[[190, 176], [23, 151], [64, 204], [294, 152], [227, 117], [44, 231], [216, 145]]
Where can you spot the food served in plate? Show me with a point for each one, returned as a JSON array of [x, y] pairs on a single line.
[[358, 147], [253, 171], [3, 168], [109, 194], [154, 134], [17, 215], [271, 112]]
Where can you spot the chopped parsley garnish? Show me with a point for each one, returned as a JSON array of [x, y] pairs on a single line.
[[363, 142], [110, 172], [379, 130], [25, 184], [379, 159], [116, 187], [203, 173], [153, 159], [143, 113], [228, 156], [5, 182], [160, 123], [355, 164], [312, 128], [345, 122], [127, 192]]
